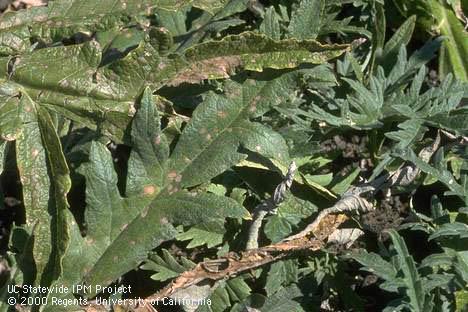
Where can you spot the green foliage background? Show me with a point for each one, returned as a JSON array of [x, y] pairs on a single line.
[[143, 133]]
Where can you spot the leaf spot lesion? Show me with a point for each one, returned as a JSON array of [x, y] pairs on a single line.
[[172, 189], [202, 131], [172, 175], [34, 152], [149, 190], [157, 140]]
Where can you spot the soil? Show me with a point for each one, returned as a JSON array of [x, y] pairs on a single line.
[[391, 211], [352, 153]]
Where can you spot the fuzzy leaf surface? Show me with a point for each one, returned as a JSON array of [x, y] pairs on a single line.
[[217, 128], [64, 18]]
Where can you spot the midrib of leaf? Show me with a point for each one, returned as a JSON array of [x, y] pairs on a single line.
[[307, 19], [147, 161], [235, 129], [61, 184], [158, 164], [118, 210], [155, 208], [119, 81], [85, 57], [161, 214], [161, 197], [217, 138], [35, 187], [113, 200], [221, 133], [45, 178]]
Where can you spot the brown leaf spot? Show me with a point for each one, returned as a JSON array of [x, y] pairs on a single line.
[[253, 105], [131, 109], [172, 175], [64, 83], [256, 99], [124, 227], [233, 92], [42, 18], [157, 140], [34, 153], [215, 68], [149, 190], [222, 114]]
